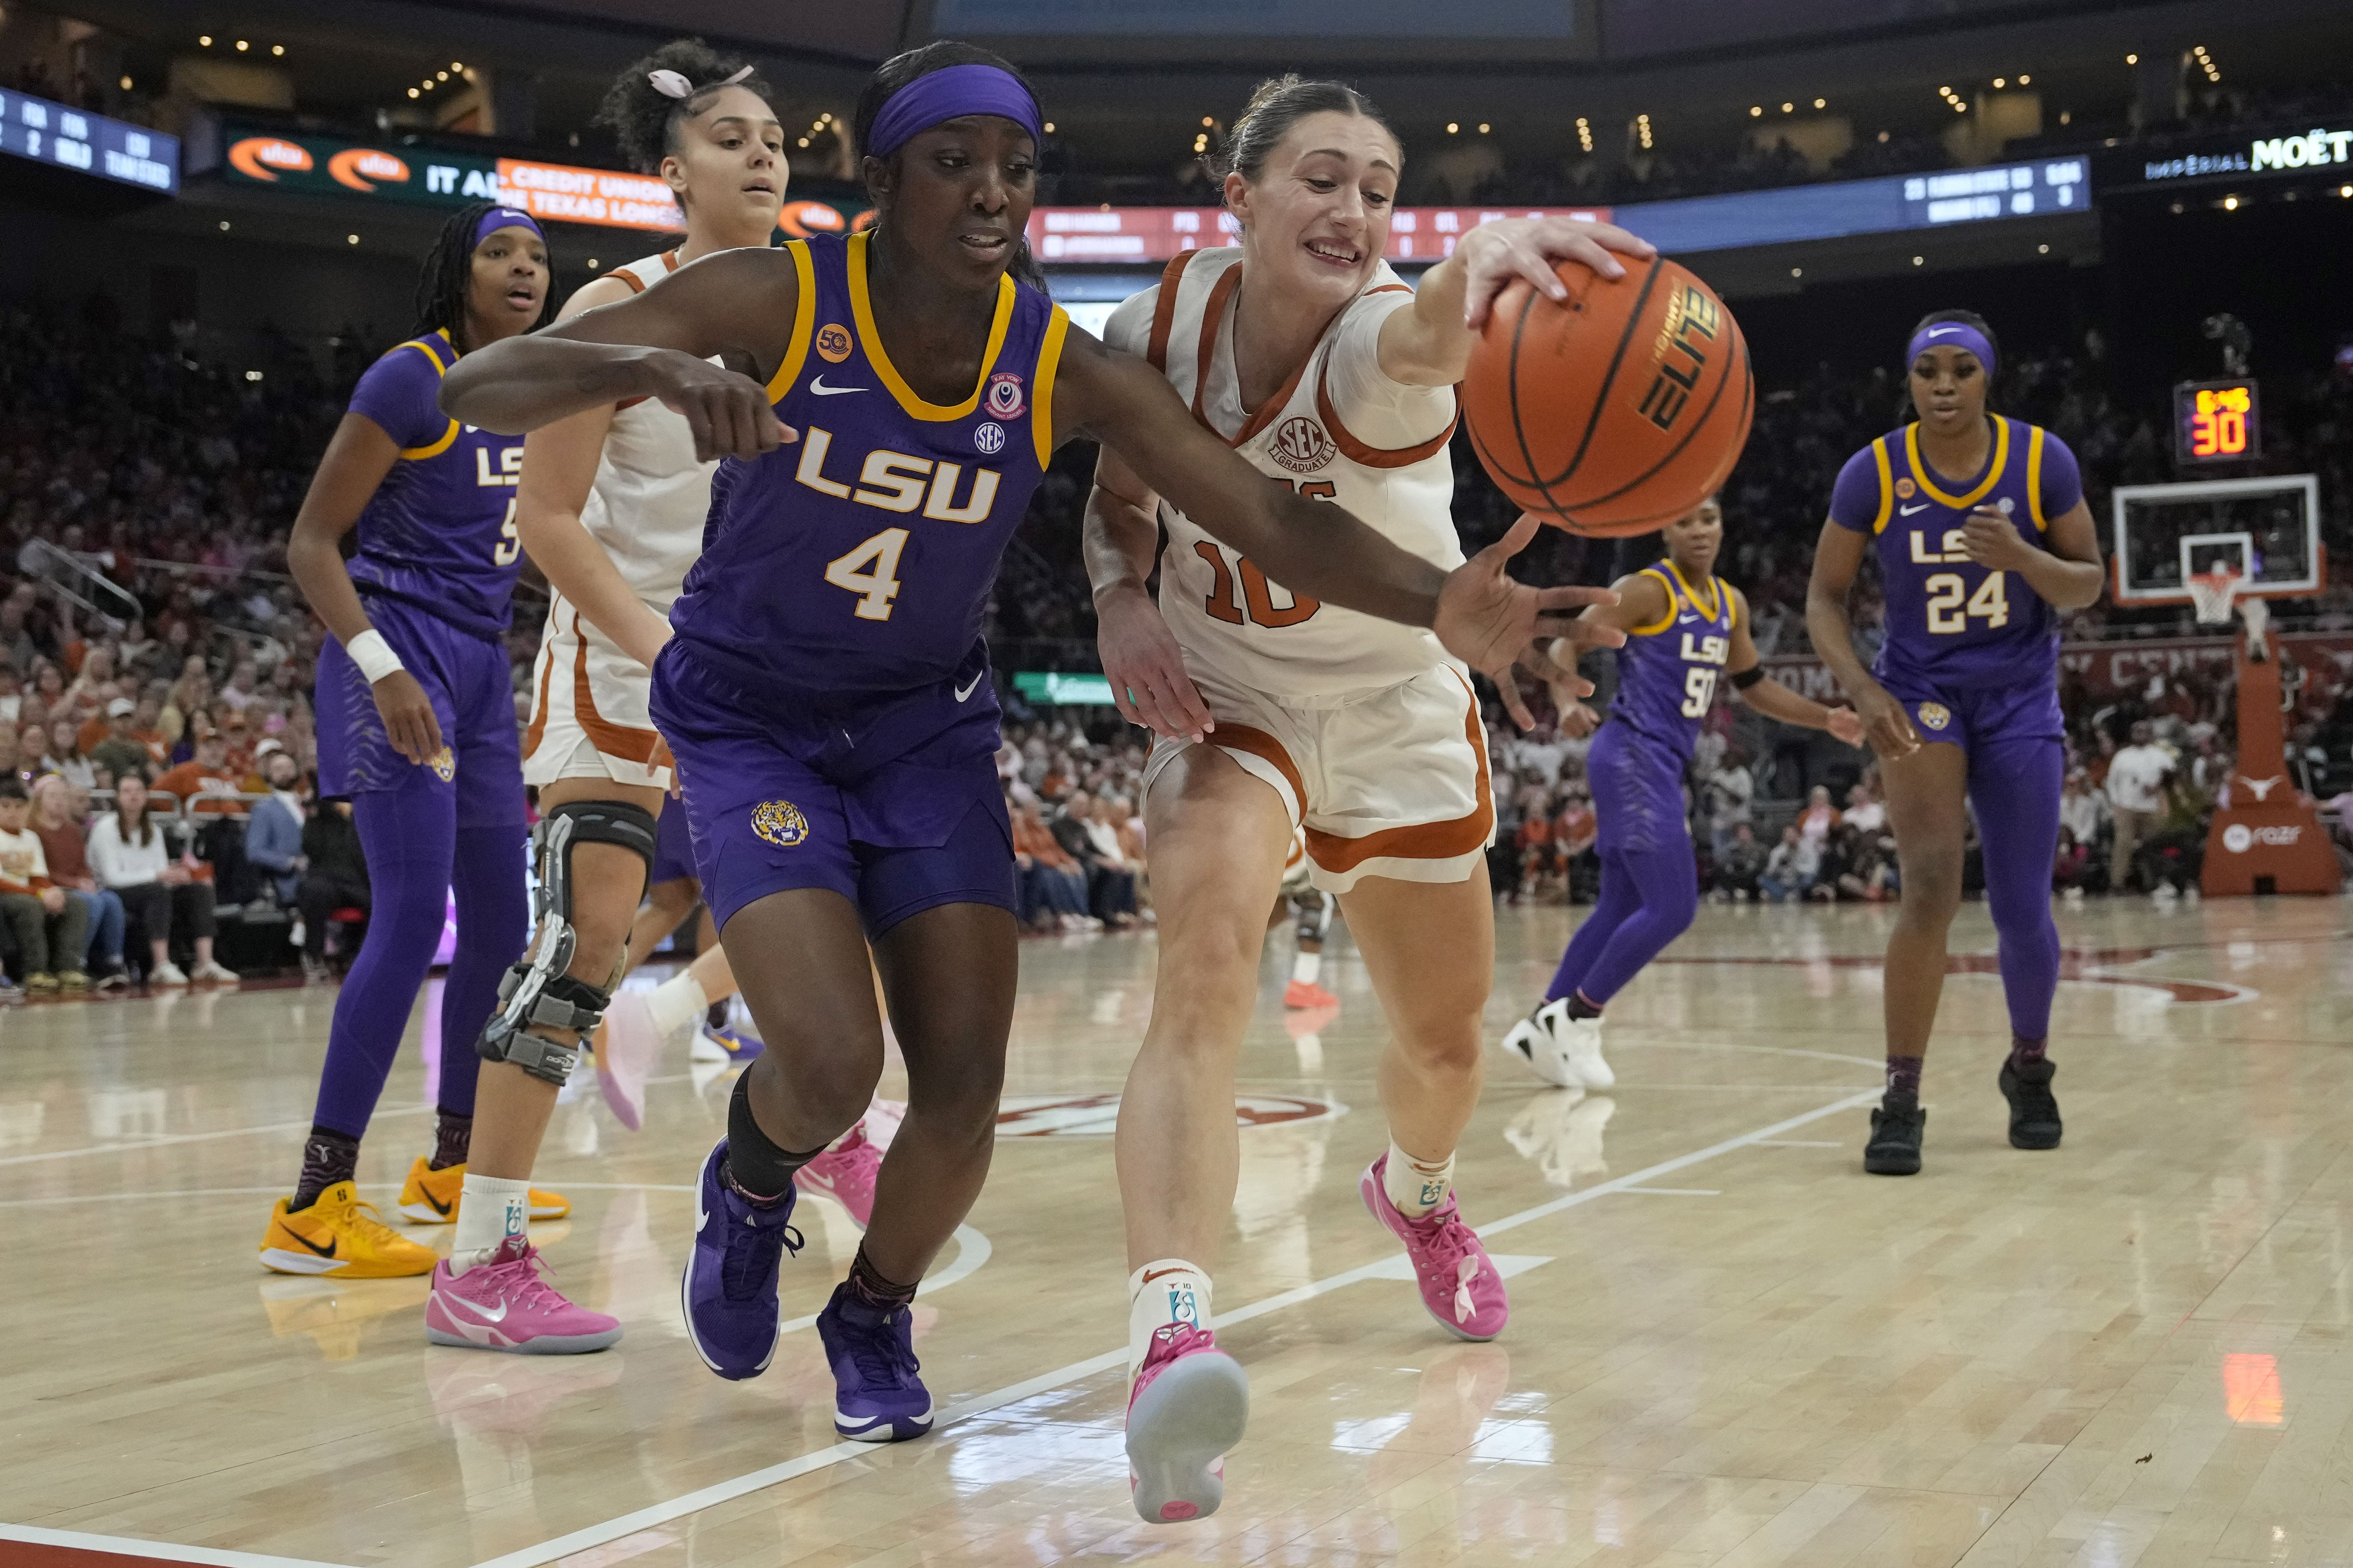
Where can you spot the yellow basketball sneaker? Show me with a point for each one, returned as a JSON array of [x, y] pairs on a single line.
[[431, 1196], [340, 1237]]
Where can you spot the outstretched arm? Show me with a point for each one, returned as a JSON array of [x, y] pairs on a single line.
[[1314, 547], [1772, 699], [559, 470], [1429, 344], [737, 305], [1641, 601]]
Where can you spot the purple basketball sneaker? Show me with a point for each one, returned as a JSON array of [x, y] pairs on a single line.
[[730, 1286], [879, 1398]]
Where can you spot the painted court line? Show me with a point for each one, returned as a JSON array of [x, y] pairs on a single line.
[[719, 1492], [1676, 1191], [661, 1513], [170, 1140]]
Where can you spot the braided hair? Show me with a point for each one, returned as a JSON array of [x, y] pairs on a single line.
[[448, 279], [897, 72], [645, 121]]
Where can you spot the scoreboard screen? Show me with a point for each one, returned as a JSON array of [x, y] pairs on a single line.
[[2217, 422], [76, 139]]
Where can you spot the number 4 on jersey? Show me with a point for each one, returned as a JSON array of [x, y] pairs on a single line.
[[877, 586]]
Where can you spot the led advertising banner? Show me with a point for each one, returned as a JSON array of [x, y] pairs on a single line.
[[1418, 235], [1889, 206], [2323, 150], [1155, 234], [89, 143], [430, 177], [328, 166]]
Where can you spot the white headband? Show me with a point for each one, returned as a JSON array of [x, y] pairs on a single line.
[[669, 84]]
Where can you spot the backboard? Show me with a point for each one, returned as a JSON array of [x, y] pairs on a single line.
[[2267, 530]]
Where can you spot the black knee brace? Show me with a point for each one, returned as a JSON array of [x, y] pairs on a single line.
[[538, 991]]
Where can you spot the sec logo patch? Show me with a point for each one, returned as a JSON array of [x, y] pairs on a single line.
[[833, 343], [1906, 489], [1299, 445], [444, 764], [988, 437], [780, 822], [1004, 397], [1936, 715]]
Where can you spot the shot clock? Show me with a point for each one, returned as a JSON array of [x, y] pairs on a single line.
[[2217, 422]]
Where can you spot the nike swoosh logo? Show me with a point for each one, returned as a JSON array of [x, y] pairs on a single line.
[[1157, 1273], [1940, 332], [822, 390], [487, 1316], [813, 1179], [968, 689], [433, 1203], [1685, 620], [1909, 510], [326, 1251]]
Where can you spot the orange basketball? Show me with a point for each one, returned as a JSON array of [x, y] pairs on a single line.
[[1616, 410]]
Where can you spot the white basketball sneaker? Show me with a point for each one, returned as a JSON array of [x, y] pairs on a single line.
[[1561, 1050]]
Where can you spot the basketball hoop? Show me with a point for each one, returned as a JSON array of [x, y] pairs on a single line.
[[2213, 593]]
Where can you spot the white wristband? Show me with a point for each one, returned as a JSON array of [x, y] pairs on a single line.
[[373, 655]]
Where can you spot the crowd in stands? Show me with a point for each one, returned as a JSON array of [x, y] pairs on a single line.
[[149, 636]]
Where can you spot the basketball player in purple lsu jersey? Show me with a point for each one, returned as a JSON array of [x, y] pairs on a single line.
[[416, 726], [1686, 627], [828, 693], [1982, 537]]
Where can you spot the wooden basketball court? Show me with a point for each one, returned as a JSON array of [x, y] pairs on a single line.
[[1728, 1347]]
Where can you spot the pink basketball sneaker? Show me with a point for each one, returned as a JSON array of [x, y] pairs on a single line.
[[1189, 1407], [504, 1305], [1458, 1283], [845, 1173]]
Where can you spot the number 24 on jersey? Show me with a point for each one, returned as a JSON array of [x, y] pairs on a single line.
[[1947, 613]]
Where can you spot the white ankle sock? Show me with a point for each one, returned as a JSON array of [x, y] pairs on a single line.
[[1166, 1290], [1306, 966], [676, 1002], [1415, 1186], [490, 1210]]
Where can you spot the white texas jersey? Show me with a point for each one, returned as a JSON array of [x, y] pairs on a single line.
[[651, 497], [1340, 430]]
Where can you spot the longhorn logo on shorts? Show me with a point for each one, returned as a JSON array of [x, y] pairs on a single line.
[[1004, 396], [1936, 715], [1299, 445], [780, 822], [833, 343], [443, 763]]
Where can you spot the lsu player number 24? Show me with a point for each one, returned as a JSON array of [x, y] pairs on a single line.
[[1982, 538]]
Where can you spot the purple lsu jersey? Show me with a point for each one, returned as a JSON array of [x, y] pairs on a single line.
[[439, 532], [1950, 621], [1667, 670], [860, 559]]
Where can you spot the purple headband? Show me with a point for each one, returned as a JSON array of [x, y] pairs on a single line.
[[505, 217], [1950, 335], [948, 94]]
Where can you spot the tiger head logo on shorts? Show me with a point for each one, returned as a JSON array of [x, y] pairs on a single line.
[[443, 763], [780, 822], [1936, 715]]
